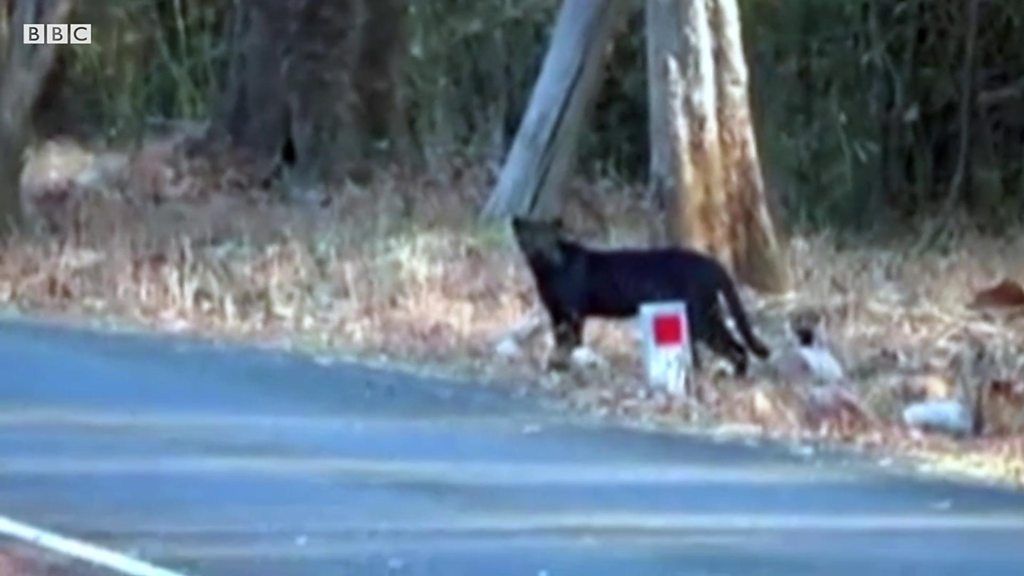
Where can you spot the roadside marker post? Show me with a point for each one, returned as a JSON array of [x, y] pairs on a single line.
[[668, 358]]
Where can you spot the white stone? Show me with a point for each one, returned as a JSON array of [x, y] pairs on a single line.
[[585, 357], [508, 348], [948, 416]]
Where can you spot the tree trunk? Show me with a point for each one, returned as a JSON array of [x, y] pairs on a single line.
[[756, 255], [544, 150], [314, 83], [11, 162], [662, 20], [704, 157], [378, 81], [253, 110], [319, 65], [23, 72], [696, 199]]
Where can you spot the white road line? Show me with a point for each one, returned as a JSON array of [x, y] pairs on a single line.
[[80, 550]]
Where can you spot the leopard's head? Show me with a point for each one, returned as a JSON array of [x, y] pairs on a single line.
[[539, 240]]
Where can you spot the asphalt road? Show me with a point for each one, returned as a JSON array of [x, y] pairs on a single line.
[[218, 461]]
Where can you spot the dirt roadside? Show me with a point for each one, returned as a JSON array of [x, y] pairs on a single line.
[[23, 560]]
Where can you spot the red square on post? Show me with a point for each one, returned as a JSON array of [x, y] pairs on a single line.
[[668, 330]]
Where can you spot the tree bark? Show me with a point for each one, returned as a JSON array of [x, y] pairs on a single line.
[[544, 150], [756, 255], [314, 83], [378, 80], [253, 111], [23, 72], [662, 23], [319, 67], [696, 203], [704, 155]]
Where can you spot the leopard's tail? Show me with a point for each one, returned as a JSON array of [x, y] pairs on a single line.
[[732, 299]]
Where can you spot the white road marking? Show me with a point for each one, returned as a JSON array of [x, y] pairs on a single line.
[[79, 550]]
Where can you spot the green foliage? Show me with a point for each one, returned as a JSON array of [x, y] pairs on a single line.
[[814, 104], [858, 105], [149, 60], [856, 101], [471, 68]]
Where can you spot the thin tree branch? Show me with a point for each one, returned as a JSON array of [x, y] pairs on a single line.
[[962, 176], [1010, 92]]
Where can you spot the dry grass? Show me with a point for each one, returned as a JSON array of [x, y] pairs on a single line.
[[401, 268]]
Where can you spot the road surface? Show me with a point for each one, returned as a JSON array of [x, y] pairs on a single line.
[[218, 461]]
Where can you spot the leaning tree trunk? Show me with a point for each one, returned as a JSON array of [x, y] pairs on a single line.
[[663, 16], [756, 254], [543, 152], [315, 83], [704, 157], [23, 72]]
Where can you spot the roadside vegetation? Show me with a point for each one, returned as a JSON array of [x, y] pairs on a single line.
[[893, 245]]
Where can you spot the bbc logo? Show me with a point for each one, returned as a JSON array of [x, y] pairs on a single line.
[[57, 34]]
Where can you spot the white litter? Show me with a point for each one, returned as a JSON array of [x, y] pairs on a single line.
[[585, 357], [508, 349], [949, 416], [814, 364]]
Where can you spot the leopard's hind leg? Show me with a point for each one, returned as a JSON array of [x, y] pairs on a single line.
[[723, 342]]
